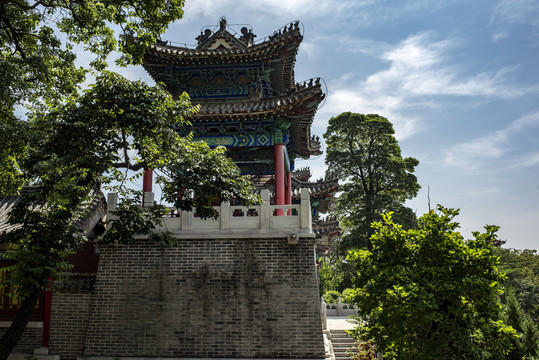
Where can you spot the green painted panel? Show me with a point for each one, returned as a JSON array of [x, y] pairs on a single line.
[[239, 140], [219, 140]]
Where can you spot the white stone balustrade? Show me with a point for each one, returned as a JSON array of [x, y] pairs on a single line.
[[338, 309], [234, 221]]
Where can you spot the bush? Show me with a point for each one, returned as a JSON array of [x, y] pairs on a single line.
[[331, 296], [345, 297]]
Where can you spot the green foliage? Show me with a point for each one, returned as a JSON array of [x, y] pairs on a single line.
[[527, 345], [331, 296], [522, 270], [363, 152], [427, 293], [34, 59], [14, 137], [38, 66], [208, 174], [330, 274], [346, 295]]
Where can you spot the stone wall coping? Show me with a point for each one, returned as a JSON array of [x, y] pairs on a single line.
[[264, 220], [233, 234]]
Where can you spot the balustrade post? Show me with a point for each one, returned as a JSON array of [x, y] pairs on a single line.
[[224, 215], [265, 210], [112, 201], [186, 220], [148, 199], [305, 211]]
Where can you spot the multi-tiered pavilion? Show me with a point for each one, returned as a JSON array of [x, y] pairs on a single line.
[[250, 102]]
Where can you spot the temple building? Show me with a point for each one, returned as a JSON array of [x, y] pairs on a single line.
[[243, 285]]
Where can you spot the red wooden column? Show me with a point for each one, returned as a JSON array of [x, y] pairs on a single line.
[[147, 182], [278, 156], [288, 192]]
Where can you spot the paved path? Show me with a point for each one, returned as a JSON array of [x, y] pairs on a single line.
[[339, 323]]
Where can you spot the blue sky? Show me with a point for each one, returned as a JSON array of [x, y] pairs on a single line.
[[458, 79]]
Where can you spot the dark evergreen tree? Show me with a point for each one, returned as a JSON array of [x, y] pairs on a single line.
[[527, 345], [363, 152]]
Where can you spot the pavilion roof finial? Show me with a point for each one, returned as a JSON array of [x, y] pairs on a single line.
[[222, 23]]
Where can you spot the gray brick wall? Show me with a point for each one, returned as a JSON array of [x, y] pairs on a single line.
[[31, 340], [69, 319], [235, 298]]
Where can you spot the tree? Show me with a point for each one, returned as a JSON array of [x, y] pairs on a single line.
[[14, 139], [527, 345], [38, 68], [75, 142], [364, 154], [426, 293], [330, 274], [522, 270]]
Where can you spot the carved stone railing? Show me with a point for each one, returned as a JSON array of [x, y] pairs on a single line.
[[262, 220], [338, 309]]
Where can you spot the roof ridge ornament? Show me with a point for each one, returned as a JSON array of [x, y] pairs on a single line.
[[222, 23], [247, 36]]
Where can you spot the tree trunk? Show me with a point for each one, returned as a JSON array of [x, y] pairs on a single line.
[[16, 330]]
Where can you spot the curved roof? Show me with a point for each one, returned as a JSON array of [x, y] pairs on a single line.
[[278, 51]]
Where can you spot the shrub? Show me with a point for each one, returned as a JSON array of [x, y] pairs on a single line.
[[345, 297], [331, 296]]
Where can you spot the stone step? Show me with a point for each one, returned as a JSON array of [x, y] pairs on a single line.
[[342, 343], [341, 339]]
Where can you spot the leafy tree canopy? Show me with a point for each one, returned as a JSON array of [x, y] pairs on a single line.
[[427, 293], [38, 65], [363, 152]]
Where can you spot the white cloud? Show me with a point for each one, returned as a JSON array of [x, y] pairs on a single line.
[[526, 161], [418, 70], [363, 46], [279, 9], [474, 154], [364, 13], [471, 155], [508, 13], [484, 193], [500, 36]]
